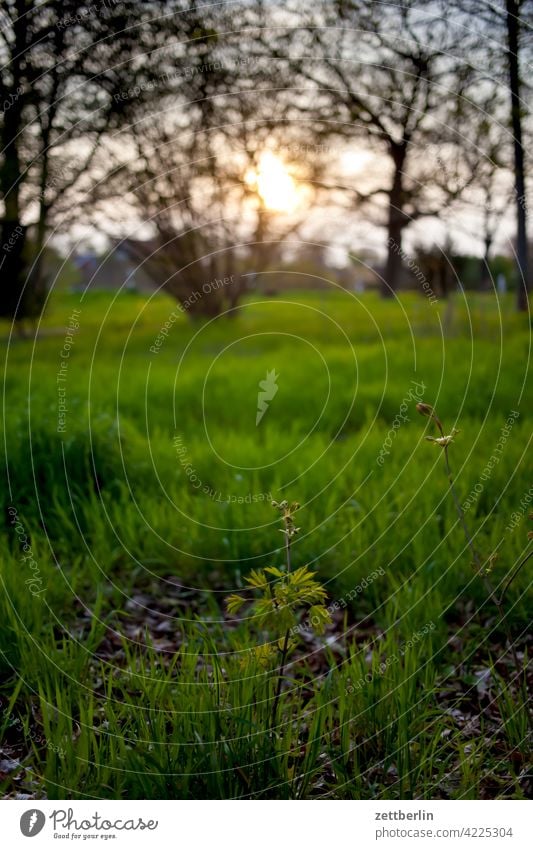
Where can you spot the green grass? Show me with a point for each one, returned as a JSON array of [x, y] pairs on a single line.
[[94, 702]]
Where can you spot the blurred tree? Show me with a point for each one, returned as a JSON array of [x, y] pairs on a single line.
[[437, 266], [65, 68], [490, 193], [504, 29], [515, 30], [395, 75], [189, 170]]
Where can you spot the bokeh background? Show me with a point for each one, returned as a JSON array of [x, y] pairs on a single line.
[[239, 244]]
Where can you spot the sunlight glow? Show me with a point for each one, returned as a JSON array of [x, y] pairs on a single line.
[[274, 184]]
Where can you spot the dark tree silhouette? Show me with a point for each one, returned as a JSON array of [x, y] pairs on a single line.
[[394, 76], [65, 68], [513, 9]]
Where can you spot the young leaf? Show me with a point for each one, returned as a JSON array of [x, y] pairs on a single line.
[[234, 604], [257, 579], [273, 570], [319, 617]]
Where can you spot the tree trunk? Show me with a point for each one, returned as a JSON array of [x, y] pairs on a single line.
[[13, 274], [395, 226], [393, 267], [37, 283], [513, 27], [13, 269], [13, 234], [484, 266]]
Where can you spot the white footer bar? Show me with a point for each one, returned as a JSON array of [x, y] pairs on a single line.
[[268, 824]]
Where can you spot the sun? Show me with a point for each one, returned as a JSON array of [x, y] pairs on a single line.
[[274, 184]]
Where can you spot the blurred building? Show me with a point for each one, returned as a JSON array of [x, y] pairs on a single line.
[[112, 271]]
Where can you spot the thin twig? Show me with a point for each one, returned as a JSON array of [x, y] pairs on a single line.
[[280, 676], [513, 574], [460, 512], [478, 562], [288, 548], [479, 566]]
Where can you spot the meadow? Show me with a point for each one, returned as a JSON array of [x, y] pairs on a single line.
[[136, 498]]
